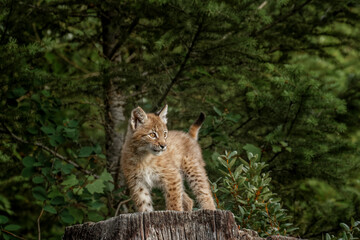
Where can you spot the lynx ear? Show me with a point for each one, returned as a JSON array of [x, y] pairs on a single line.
[[138, 117], [162, 113]]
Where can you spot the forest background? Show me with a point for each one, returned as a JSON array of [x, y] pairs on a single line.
[[278, 81]]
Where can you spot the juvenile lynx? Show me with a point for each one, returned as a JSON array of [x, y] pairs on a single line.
[[154, 157]]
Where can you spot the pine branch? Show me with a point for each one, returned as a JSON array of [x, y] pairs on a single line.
[[7, 22], [63, 57], [272, 159], [112, 55], [182, 66], [241, 125], [281, 19], [51, 151], [296, 115], [317, 47]]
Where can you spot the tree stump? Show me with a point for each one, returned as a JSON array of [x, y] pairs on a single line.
[[163, 225]]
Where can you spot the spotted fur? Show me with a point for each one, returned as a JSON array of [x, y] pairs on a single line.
[[152, 156]]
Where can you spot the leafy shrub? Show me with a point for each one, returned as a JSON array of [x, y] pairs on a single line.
[[245, 190], [349, 233], [63, 175]]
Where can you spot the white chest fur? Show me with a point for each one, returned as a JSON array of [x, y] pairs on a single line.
[[149, 177]]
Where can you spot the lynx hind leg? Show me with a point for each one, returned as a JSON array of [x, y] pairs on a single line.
[[188, 203], [199, 183]]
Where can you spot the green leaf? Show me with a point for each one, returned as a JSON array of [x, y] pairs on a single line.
[[56, 140], [96, 187], [67, 168], [50, 209], [97, 149], [97, 205], [48, 130], [46, 93], [85, 151], [36, 97], [223, 162], [327, 236], [292, 229], [70, 133], [239, 170], [284, 144], [276, 148], [38, 179], [27, 172], [12, 227], [70, 181], [32, 130], [105, 176], [7, 236], [232, 162], [66, 217], [28, 161], [58, 200], [45, 171], [39, 193], [218, 112], [73, 123], [77, 213], [78, 190], [18, 92], [345, 227], [3, 219], [94, 216], [109, 186], [250, 148]]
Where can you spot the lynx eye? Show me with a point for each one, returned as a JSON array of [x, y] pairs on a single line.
[[152, 135]]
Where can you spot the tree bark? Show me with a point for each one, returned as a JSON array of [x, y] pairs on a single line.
[[165, 225], [113, 100]]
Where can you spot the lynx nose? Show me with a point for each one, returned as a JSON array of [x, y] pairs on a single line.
[[162, 146]]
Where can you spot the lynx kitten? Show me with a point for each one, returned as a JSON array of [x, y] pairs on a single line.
[[154, 157]]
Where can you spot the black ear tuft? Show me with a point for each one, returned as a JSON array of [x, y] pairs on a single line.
[[162, 113]]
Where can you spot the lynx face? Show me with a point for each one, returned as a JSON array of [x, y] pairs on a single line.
[[150, 130]]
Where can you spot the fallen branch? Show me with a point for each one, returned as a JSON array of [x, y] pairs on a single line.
[[119, 205], [38, 224], [12, 234]]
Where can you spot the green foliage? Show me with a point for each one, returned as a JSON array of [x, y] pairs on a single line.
[[53, 165], [245, 190], [351, 232]]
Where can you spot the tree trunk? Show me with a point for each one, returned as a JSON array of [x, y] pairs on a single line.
[[113, 99], [165, 225]]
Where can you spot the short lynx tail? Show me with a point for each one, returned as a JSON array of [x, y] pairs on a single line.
[[194, 128]]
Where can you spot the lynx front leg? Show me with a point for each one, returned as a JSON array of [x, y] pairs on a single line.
[[174, 191], [198, 181], [142, 198]]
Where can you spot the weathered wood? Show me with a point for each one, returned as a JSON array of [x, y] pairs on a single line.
[[165, 225]]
